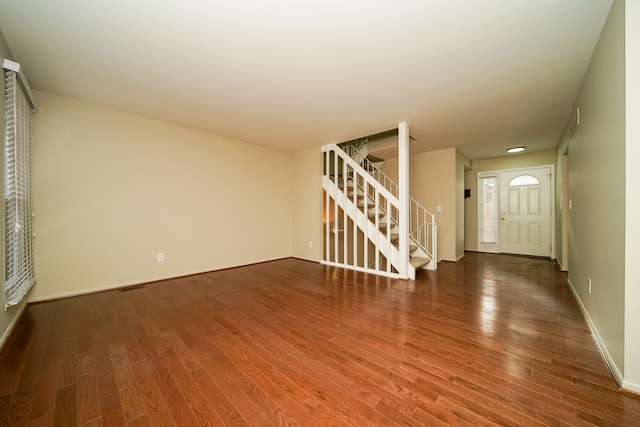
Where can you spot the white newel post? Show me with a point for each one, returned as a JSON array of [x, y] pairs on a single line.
[[403, 198]]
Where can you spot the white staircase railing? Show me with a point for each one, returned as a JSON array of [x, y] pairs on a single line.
[[423, 231], [358, 217], [422, 224], [361, 158], [361, 218]]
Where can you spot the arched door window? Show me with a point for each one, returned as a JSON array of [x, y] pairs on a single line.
[[521, 180]]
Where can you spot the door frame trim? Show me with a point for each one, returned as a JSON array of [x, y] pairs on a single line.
[[552, 203]]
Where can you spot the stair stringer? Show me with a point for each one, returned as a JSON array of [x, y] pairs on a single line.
[[382, 241], [392, 187]]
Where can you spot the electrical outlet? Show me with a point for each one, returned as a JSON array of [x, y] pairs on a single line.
[[438, 208], [589, 283], [160, 257], [310, 243]]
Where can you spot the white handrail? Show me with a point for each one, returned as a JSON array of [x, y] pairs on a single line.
[[358, 195], [353, 174], [376, 173], [353, 165], [422, 223]]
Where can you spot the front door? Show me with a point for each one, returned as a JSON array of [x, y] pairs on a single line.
[[525, 212]]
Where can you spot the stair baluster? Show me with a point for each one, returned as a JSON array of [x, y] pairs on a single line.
[[368, 201]]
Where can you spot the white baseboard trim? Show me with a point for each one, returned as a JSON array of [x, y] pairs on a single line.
[[628, 385], [111, 287], [562, 268], [92, 290], [12, 325], [460, 257], [617, 375]]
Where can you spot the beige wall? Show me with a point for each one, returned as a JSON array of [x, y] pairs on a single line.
[[307, 204], [9, 317], [596, 177], [632, 198], [113, 189], [439, 168], [432, 182], [541, 158]]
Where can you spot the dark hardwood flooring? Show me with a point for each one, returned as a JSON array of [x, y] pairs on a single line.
[[491, 340]]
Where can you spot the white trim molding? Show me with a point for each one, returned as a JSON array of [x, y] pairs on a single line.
[[12, 325], [608, 359]]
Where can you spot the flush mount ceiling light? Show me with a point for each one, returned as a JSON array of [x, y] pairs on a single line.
[[515, 149]]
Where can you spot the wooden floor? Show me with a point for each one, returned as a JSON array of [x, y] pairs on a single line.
[[491, 340]]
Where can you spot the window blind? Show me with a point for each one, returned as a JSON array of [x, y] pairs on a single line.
[[18, 112]]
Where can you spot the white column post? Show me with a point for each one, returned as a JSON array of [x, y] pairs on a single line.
[[403, 198]]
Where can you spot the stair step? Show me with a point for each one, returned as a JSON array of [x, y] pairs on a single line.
[[361, 203], [419, 262], [349, 185], [394, 242], [395, 237]]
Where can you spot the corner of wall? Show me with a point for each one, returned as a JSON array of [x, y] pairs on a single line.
[[307, 205]]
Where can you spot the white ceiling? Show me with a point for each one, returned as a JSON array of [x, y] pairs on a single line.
[[478, 75]]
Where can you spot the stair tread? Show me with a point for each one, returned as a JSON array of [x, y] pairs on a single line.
[[362, 198], [358, 195], [418, 262], [394, 241]]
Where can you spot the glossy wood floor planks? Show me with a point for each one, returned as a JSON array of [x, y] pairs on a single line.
[[490, 340]]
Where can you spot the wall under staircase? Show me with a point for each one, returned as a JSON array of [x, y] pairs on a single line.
[[362, 215]]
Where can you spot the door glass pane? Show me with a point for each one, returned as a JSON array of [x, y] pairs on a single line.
[[488, 210], [524, 180]]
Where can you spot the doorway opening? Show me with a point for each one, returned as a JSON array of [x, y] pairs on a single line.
[[515, 213]]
